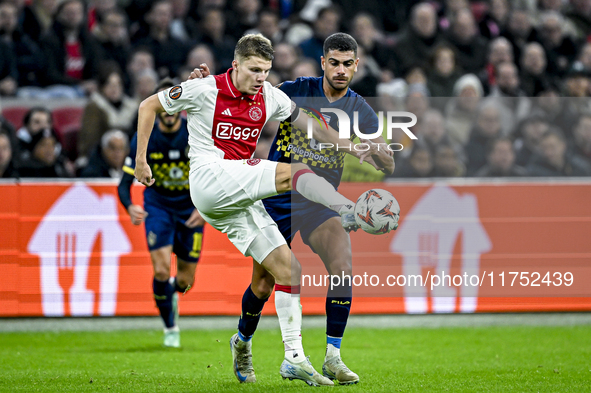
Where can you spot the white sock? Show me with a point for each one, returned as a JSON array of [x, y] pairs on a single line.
[[289, 312], [317, 189], [332, 351]]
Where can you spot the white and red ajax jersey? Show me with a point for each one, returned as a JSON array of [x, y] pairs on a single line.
[[223, 122]]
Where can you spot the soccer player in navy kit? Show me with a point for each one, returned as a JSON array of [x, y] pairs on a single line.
[[172, 223], [319, 227]]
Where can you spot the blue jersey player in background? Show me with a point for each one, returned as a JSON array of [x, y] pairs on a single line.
[[172, 222], [319, 227]]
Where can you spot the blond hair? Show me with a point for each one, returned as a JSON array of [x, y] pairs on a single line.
[[253, 45]]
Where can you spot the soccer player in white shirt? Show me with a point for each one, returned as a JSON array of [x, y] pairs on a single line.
[[226, 114]]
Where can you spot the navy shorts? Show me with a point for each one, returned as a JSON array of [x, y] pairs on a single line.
[[165, 227], [293, 213]]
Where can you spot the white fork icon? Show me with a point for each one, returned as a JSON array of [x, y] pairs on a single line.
[[66, 254]]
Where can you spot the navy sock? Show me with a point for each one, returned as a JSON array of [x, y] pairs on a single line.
[[338, 306], [163, 292], [251, 313]]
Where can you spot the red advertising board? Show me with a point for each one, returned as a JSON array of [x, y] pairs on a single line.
[[70, 249]]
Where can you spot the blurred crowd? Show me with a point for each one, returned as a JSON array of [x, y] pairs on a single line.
[[500, 88]]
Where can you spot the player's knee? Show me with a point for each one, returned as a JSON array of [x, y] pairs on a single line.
[[161, 274], [262, 289], [340, 268], [283, 266]]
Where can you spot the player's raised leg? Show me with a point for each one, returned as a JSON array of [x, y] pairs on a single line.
[[333, 245], [301, 178]]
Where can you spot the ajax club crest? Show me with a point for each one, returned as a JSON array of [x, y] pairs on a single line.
[[255, 113]]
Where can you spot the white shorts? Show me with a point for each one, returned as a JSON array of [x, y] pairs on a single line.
[[227, 194]]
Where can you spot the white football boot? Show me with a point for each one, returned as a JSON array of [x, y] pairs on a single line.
[[172, 336], [303, 371], [242, 359], [347, 213], [334, 369]]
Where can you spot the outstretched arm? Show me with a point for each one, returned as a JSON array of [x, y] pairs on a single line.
[[146, 117]]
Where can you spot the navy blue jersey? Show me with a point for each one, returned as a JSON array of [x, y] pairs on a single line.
[[168, 158], [293, 145]]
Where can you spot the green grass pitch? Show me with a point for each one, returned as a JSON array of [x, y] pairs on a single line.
[[471, 359]]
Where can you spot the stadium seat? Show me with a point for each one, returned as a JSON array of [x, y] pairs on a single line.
[[15, 115], [69, 139], [66, 118]]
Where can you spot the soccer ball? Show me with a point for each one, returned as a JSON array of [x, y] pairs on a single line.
[[377, 212]]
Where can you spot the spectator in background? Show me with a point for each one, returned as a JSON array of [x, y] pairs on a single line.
[[529, 135], [516, 106], [182, 27], [213, 34], [169, 52], [418, 164], [141, 58], [418, 102], [576, 82], [35, 120], [371, 40], [37, 18], [45, 161], [432, 131], [244, 17], [443, 72], [109, 108], [327, 23], [97, 10], [461, 111], [415, 43], [447, 162], [25, 52], [495, 19], [306, 67], [555, 160], [198, 55], [582, 138], [8, 71], [500, 51], [112, 34], [366, 81], [561, 50], [519, 31], [487, 128], [108, 157], [553, 107], [579, 13], [286, 57], [470, 46], [72, 54], [584, 57], [500, 160], [533, 70], [268, 25], [144, 85], [7, 167]]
